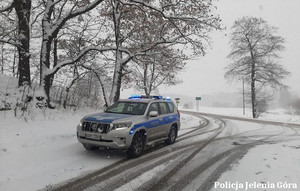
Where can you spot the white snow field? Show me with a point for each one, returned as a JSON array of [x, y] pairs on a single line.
[[45, 151]]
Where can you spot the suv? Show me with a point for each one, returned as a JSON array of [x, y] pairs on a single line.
[[130, 124]]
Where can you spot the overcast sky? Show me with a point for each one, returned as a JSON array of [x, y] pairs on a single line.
[[205, 75]]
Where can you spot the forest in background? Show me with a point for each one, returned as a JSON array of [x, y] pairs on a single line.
[[82, 52]]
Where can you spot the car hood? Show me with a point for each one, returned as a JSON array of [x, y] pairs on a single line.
[[107, 117]]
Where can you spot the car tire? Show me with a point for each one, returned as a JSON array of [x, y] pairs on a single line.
[[90, 147], [172, 136], [137, 146]]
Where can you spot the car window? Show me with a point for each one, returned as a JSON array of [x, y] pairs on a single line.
[[153, 107], [171, 107], [132, 108], [116, 108], [163, 108]]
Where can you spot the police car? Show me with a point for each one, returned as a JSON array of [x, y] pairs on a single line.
[[131, 124]]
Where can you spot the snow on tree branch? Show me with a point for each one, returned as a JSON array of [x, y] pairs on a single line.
[[80, 55], [11, 42], [73, 13], [9, 7]]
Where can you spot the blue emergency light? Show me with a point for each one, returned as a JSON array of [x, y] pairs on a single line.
[[136, 96], [133, 96]]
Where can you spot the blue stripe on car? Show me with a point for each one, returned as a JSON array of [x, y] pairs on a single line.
[[155, 123]]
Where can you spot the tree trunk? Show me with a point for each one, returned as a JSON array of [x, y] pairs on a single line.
[[55, 59], [152, 80], [117, 78], [66, 99], [117, 81], [45, 79], [253, 90], [2, 58], [61, 97], [23, 11], [145, 79], [253, 97], [103, 89], [14, 65]]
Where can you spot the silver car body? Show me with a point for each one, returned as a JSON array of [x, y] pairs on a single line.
[[90, 130]]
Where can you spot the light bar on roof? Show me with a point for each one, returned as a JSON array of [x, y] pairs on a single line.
[[134, 96], [168, 98], [137, 96]]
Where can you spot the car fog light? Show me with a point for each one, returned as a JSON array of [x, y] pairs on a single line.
[[123, 139]]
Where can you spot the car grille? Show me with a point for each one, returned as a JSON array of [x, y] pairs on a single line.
[[95, 127]]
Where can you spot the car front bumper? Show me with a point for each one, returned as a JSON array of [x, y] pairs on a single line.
[[116, 139]]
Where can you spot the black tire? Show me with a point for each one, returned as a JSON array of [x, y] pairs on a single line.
[[90, 147], [172, 136], [137, 146]]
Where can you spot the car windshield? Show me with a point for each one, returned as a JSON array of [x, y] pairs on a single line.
[[131, 108]]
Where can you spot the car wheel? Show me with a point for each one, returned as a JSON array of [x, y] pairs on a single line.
[[137, 146], [90, 147], [172, 136]]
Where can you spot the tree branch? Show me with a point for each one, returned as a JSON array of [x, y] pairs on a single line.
[[8, 8]]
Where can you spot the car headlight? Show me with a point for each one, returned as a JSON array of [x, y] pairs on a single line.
[[80, 123], [122, 125]]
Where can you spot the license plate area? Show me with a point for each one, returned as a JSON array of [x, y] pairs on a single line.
[[93, 136]]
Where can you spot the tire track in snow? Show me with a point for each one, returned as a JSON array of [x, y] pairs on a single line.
[[232, 155], [160, 184]]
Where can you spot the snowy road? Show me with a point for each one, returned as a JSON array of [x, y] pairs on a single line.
[[215, 153]]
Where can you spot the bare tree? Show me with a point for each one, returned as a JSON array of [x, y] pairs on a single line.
[[69, 86], [51, 26], [255, 52], [159, 67], [22, 39], [142, 26]]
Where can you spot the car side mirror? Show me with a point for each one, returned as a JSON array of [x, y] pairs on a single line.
[[153, 114]]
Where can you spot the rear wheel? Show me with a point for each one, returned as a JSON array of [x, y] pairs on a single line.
[[90, 147], [137, 146], [172, 135]]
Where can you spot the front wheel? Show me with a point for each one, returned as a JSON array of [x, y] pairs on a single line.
[[172, 136], [137, 146]]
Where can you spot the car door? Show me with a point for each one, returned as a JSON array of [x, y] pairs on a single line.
[[153, 123], [164, 119]]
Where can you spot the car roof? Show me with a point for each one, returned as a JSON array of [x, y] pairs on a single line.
[[135, 100], [143, 100]]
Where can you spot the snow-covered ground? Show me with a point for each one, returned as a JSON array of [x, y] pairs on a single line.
[[265, 167], [45, 151], [279, 115]]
